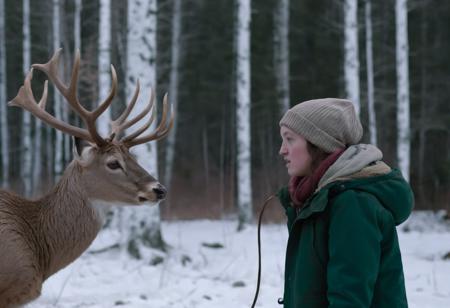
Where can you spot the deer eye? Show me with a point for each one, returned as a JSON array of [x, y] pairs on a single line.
[[113, 165]]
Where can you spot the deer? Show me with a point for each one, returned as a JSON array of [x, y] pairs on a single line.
[[40, 237]]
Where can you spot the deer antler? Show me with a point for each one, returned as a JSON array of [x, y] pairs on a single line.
[[120, 124], [25, 99]]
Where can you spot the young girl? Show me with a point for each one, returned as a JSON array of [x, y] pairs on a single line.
[[343, 204]]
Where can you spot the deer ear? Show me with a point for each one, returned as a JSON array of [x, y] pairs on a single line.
[[77, 147], [80, 148]]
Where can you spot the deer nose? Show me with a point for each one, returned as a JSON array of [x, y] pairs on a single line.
[[160, 191]]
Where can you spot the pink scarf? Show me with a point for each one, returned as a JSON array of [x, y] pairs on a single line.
[[301, 188]]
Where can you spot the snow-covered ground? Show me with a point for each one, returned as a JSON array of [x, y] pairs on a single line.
[[194, 274]]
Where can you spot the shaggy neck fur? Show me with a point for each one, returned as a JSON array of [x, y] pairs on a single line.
[[69, 222]]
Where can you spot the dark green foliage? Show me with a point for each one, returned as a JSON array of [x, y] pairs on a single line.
[[185, 259], [133, 249], [119, 303], [213, 245], [153, 238], [238, 284], [156, 260]]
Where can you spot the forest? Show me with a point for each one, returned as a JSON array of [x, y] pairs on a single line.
[[230, 70], [197, 43]]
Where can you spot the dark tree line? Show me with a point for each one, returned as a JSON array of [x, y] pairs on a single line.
[[203, 183]]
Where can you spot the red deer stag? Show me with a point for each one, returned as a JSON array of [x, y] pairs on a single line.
[[40, 237]]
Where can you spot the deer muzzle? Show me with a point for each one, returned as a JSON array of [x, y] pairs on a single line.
[[153, 192]]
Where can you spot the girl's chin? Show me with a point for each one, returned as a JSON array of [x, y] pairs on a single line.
[[296, 172], [293, 173]]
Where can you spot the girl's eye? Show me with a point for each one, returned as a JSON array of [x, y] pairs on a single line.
[[114, 165]]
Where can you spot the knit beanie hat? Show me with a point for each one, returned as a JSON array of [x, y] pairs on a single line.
[[328, 123]]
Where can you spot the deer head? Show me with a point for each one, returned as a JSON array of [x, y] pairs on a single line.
[[108, 171]]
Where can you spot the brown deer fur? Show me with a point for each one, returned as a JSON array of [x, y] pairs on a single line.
[[38, 238]]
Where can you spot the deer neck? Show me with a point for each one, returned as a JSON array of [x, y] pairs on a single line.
[[70, 221]]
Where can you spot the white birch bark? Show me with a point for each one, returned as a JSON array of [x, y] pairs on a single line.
[[37, 154], [142, 225], [58, 152], [173, 88], [77, 46], [351, 63], [370, 77], [26, 149], [77, 24], [403, 126], [3, 108], [281, 53], [104, 62], [244, 183]]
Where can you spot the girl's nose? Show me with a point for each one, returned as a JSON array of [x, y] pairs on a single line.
[[282, 150]]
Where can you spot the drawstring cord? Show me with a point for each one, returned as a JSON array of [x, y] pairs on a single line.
[[280, 301]]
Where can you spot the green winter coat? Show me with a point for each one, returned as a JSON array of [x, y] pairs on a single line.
[[343, 249]]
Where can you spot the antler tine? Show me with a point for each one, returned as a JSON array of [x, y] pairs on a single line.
[[160, 132], [92, 116], [143, 128], [107, 102], [25, 99], [116, 125], [71, 96], [70, 92], [43, 102], [138, 117]]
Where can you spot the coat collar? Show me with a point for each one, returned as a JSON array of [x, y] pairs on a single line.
[[318, 202]]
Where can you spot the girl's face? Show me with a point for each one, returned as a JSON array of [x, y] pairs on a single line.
[[295, 153]]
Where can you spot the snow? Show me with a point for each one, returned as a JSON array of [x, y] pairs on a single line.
[[194, 275]]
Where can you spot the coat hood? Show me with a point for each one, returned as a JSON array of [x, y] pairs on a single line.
[[393, 192], [360, 168]]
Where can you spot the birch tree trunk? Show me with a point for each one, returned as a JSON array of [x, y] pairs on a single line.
[[281, 53], [58, 152], [37, 155], [3, 108], [244, 183], [173, 87], [77, 25], [370, 77], [104, 62], [77, 35], [142, 225], [424, 77], [26, 150], [351, 65], [403, 127]]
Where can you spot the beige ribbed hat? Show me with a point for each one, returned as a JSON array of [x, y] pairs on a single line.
[[329, 123]]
